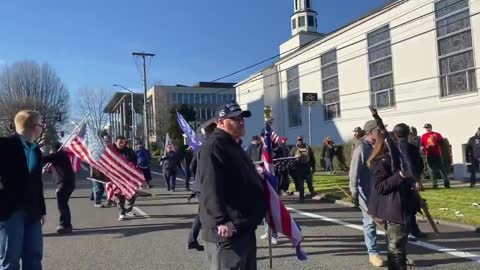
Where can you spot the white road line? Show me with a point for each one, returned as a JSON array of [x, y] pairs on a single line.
[[142, 213], [450, 251], [178, 179]]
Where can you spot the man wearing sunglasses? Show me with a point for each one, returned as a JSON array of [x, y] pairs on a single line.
[[232, 201], [22, 205]]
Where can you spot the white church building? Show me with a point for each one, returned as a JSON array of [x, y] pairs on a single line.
[[415, 60]]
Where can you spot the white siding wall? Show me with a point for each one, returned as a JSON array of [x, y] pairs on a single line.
[[415, 71]]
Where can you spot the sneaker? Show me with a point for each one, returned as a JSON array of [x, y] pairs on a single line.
[[195, 245], [376, 261], [274, 241], [264, 236], [122, 217], [411, 262], [131, 214], [98, 205], [64, 230], [412, 238]]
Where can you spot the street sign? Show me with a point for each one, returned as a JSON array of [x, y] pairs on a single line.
[[309, 98]]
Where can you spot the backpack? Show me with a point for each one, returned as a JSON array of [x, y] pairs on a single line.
[[303, 155]]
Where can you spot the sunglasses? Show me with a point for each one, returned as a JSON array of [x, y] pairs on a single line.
[[39, 125]]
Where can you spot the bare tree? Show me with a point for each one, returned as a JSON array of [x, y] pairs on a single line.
[[29, 85], [91, 103]]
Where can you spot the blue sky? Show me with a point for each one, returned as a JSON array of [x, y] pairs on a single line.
[[89, 42]]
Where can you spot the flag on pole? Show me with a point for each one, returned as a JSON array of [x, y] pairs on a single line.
[[278, 217], [74, 161], [192, 139], [90, 148]]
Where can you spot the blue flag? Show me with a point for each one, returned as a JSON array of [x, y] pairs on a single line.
[[192, 139]]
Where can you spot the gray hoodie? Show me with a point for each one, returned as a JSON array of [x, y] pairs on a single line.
[[360, 173]]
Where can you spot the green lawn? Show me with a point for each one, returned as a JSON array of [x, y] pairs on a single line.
[[455, 199]]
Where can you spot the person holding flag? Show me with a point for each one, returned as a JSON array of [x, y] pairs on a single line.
[[64, 177], [229, 218]]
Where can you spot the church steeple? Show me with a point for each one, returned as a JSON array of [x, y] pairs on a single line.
[[305, 18]]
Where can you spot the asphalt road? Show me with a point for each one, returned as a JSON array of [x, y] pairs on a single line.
[[333, 237]]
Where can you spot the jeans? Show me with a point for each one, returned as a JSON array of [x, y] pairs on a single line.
[[397, 245], [121, 204], [435, 166], [238, 253], [20, 239], [370, 234], [63, 196], [196, 226], [98, 190], [328, 164], [170, 178], [473, 171]]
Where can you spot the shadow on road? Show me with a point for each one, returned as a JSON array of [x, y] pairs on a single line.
[[125, 231]]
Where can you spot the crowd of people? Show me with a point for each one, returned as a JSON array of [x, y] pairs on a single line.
[[223, 172]]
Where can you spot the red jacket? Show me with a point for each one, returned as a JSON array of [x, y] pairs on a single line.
[[432, 144]]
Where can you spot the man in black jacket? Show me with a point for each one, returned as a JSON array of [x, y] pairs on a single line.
[[229, 217], [22, 205], [64, 177], [473, 152]]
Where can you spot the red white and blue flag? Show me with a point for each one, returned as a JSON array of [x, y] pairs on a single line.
[[74, 161], [278, 217], [90, 148]]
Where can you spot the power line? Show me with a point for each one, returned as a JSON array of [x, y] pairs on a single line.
[[250, 91], [328, 36], [362, 33]]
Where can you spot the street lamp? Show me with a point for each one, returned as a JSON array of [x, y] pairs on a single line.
[[134, 120]]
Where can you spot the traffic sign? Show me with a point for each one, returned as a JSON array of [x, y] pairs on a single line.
[[309, 98]]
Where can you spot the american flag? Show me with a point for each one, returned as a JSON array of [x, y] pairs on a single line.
[[90, 148], [74, 160], [275, 137], [278, 217]]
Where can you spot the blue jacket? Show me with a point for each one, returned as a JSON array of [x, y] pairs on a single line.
[[143, 158]]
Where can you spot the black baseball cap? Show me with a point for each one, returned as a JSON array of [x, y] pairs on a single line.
[[427, 126], [232, 109]]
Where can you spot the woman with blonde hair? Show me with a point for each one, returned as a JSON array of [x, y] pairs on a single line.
[[391, 197], [22, 205]]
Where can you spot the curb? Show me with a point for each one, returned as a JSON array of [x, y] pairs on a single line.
[[437, 221]]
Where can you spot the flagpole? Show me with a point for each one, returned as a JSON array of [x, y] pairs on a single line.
[[45, 168], [267, 112]]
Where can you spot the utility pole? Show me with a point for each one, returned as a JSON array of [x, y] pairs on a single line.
[[145, 114]]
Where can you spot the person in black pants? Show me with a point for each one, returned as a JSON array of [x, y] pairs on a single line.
[[192, 241], [229, 218], [415, 168], [391, 200], [473, 152], [64, 177], [171, 160]]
